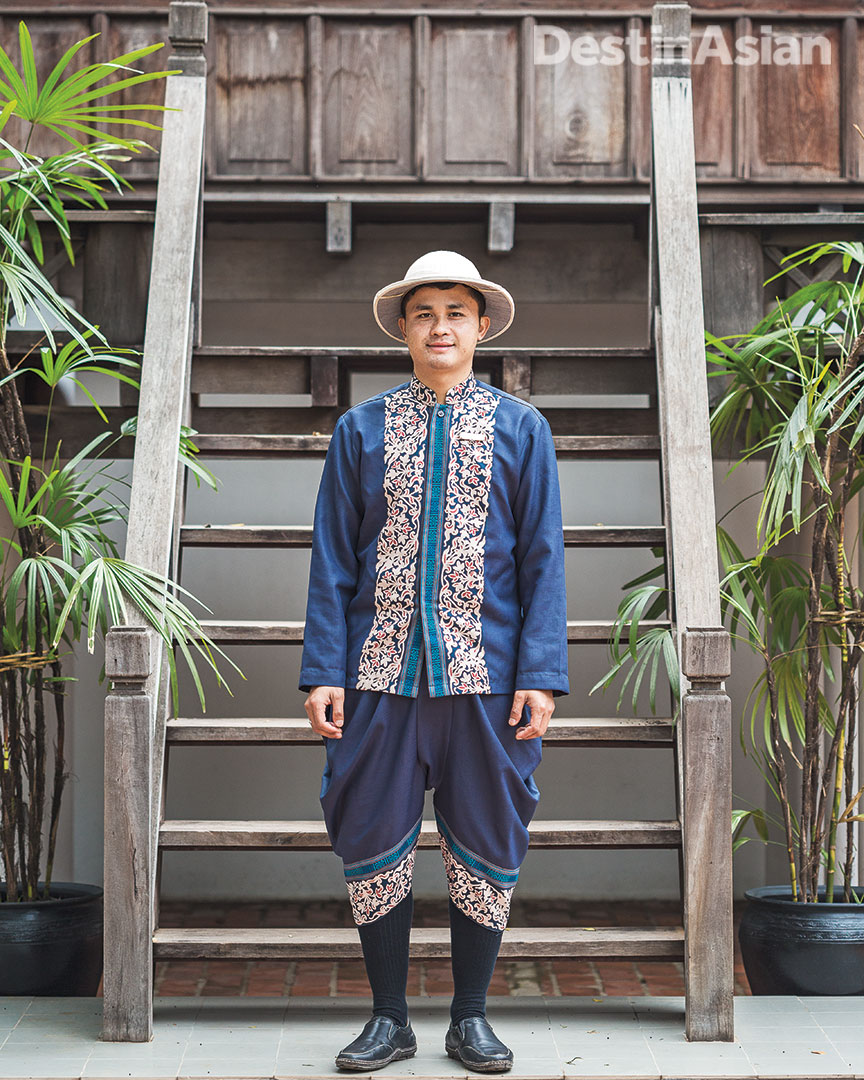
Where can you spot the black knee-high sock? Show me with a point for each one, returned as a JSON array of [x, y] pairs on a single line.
[[385, 951], [474, 950]]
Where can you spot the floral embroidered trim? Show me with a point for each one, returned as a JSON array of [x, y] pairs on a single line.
[[381, 657], [458, 392], [460, 598], [478, 899], [373, 897]]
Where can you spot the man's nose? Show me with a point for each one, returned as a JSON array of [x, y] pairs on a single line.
[[441, 325]]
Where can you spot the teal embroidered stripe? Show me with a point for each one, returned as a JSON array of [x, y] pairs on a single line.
[[504, 876], [434, 507], [410, 677], [385, 860]]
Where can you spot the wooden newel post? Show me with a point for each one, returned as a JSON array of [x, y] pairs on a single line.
[[128, 934], [707, 751], [187, 31]]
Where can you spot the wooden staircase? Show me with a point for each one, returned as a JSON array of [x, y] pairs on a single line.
[[140, 731]]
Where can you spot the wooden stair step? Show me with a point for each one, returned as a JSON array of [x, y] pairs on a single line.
[[101, 217], [597, 445], [569, 731], [300, 536], [312, 835], [397, 353], [518, 943], [250, 631], [294, 369]]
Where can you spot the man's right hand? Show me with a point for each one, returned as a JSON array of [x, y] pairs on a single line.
[[319, 698]]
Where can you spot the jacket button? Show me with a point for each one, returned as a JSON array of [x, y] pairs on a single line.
[[440, 412]]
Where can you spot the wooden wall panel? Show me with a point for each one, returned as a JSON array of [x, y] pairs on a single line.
[[796, 113], [125, 34], [474, 99], [258, 97], [51, 37], [854, 73], [458, 98], [368, 98], [581, 113], [713, 99]]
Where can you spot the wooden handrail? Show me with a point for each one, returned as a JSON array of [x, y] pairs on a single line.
[[703, 740], [135, 722]]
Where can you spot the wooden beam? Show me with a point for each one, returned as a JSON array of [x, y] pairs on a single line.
[[128, 912], [339, 227], [315, 96], [794, 273], [516, 376], [707, 761], [502, 224], [324, 381], [422, 77], [688, 480]]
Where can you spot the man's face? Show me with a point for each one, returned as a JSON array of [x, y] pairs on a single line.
[[442, 327]]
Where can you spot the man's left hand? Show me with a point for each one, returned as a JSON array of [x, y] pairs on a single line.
[[541, 705]]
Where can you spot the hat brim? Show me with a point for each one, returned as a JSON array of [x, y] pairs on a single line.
[[387, 304]]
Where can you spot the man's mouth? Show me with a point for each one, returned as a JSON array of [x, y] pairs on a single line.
[[441, 345]]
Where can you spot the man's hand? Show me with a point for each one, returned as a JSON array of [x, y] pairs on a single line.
[[541, 705], [319, 698]]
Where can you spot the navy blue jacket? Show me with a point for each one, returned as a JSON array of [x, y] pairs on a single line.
[[438, 540]]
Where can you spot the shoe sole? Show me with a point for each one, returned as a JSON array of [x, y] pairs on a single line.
[[366, 1066], [489, 1067]]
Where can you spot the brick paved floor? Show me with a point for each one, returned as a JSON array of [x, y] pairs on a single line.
[[309, 978]]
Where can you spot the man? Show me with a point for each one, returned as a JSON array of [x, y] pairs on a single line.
[[435, 626]]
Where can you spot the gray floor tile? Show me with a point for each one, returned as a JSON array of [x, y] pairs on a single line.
[[679, 1058], [776, 1062], [60, 1066], [128, 1066]]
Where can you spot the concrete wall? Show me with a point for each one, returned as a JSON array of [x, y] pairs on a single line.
[[251, 271]]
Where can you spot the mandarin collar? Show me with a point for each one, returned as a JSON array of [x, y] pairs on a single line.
[[458, 392]]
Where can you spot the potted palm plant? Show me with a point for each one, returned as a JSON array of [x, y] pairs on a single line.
[[61, 577], [794, 387]]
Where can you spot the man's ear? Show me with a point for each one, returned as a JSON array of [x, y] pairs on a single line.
[[402, 325], [485, 323]]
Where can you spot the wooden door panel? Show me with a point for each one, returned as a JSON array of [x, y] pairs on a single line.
[[795, 117], [474, 99], [581, 108], [124, 35], [713, 98], [258, 97], [368, 98]]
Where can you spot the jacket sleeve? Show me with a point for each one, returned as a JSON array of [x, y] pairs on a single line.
[[333, 567], [542, 658]]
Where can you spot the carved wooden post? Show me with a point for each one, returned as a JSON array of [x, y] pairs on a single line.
[[128, 933], [135, 711], [692, 562], [706, 716]]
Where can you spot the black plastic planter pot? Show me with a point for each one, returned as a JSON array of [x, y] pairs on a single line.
[[796, 948], [52, 947]]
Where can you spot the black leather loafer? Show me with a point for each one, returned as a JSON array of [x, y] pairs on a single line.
[[381, 1041], [475, 1044]]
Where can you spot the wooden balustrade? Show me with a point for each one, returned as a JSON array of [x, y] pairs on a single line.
[[688, 482], [135, 719]]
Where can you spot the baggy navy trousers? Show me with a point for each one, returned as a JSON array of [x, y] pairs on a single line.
[[393, 749]]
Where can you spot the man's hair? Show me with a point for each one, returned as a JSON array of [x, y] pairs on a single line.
[[478, 296]]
